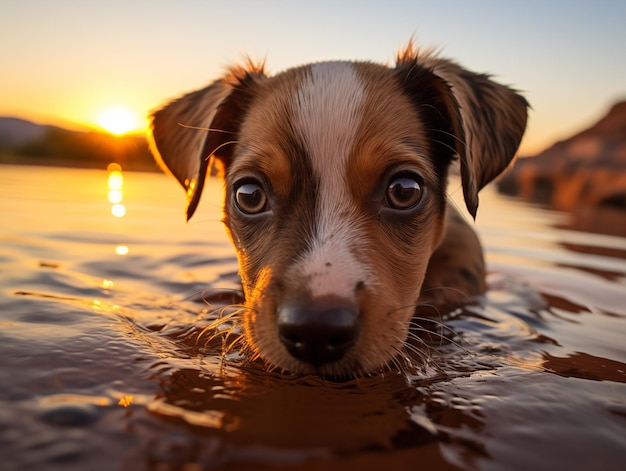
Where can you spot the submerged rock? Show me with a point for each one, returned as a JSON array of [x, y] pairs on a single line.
[[588, 169]]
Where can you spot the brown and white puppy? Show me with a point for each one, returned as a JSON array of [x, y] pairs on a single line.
[[335, 196]]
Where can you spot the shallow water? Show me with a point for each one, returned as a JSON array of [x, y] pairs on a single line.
[[103, 365]]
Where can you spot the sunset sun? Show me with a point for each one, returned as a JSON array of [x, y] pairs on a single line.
[[118, 120]]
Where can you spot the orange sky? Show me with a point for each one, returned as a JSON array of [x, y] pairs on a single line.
[[67, 61]]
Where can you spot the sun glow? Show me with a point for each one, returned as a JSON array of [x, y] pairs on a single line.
[[118, 120]]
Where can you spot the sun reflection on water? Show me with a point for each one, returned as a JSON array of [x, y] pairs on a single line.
[[116, 178], [118, 210], [115, 197], [107, 284], [116, 182], [126, 400]]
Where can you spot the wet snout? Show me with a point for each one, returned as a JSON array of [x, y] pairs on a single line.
[[319, 331]]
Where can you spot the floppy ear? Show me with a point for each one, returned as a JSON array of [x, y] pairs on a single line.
[[490, 121], [185, 134]]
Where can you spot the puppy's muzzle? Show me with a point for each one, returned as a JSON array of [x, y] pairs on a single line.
[[320, 331]]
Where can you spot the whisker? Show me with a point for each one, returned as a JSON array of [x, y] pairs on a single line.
[[227, 327], [189, 297], [394, 363], [448, 338], [236, 296], [464, 296], [449, 134], [423, 355], [224, 144], [233, 343], [441, 326], [425, 336], [447, 146], [199, 128]]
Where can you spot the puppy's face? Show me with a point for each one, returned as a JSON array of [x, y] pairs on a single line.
[[334, 204], [335, 200]]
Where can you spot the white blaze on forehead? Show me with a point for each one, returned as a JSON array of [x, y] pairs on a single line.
[[327, 116]]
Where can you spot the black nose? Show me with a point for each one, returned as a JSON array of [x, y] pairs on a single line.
[[320, 332]]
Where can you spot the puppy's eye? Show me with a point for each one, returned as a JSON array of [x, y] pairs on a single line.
[[250, 198], [404, 191]]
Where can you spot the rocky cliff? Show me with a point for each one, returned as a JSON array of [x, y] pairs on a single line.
[[588, 169]]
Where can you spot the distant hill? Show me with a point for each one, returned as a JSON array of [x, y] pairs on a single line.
[[587, 169], [16, 131], [24, 142]]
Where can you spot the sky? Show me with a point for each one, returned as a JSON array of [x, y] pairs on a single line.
[[65, 62]]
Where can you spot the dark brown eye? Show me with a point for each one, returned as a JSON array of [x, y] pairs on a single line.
[[250, 198], [404, 191]]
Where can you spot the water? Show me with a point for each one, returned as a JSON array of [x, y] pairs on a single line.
[[103, 365]]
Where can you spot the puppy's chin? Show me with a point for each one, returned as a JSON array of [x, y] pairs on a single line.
[[351, 366], [382, 334]]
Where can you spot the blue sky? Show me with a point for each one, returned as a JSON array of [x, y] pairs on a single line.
[[65, 60]]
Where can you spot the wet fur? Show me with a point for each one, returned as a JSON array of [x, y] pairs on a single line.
[[324, 139]]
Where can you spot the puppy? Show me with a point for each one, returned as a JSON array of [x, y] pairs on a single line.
[[335, 196]]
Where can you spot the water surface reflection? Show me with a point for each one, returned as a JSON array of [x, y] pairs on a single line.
[[107, 363]]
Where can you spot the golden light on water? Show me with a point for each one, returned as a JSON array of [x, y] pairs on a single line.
[[126, 400], [116, 182], [118, 210], [115, 196], [107, 284]]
